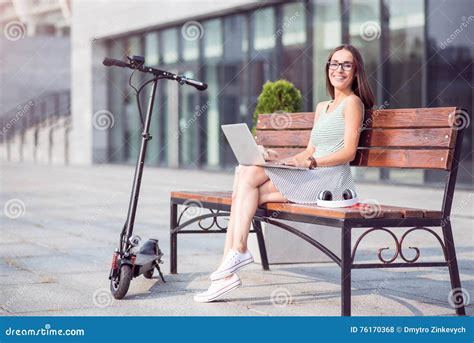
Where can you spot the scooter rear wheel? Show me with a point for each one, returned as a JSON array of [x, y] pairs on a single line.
[[120, 284]]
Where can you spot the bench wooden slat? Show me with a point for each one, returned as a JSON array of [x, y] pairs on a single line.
[[355, 211], [404, 158], [409, 138], [287, 138], [402, 138], [215, 197], [383, 118], [410, 117], [390, 158], [283, 121]]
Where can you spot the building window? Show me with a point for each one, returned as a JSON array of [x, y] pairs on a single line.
[[264, 29], [170, 46], [327, 35], [213, 49], [406, 43], [406, 58], [155, 146], [191, 46], [365, 34], [189, 109], [234, 76], [293, 34], [151, 49], [132, 124], [450, 74], [169, 52], [116, 96], [262, 63]]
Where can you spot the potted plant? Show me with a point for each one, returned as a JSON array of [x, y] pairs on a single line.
[[278, 97]]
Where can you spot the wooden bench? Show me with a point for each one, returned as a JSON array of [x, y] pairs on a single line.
[[422, 138]]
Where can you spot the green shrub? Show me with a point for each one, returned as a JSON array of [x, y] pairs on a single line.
[[278, 96]]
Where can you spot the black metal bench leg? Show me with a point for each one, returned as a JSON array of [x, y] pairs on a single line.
[[173, 239], [261, 244], [346, 271], [458, 296]]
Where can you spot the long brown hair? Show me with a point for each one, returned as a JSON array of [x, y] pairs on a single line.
[[360, 85]]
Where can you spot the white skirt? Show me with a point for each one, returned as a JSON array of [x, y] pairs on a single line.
[[303, 186]]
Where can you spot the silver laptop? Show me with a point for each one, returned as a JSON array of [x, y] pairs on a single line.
[[245, 148]]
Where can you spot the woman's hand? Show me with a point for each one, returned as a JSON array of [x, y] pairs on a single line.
[[293, 161], [267, 153]]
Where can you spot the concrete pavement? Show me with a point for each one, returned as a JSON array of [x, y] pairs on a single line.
[[60, 225]]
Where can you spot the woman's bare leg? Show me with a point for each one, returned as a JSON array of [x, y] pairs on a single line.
[[267, 192], [229, 236], [246, 203]]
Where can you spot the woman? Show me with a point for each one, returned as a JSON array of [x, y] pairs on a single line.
[[333, 144]]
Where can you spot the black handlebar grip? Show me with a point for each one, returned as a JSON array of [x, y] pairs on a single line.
[[113, 62], [197, 84]]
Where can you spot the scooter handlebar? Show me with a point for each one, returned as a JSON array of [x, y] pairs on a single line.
[[109, 62], [200, 86]]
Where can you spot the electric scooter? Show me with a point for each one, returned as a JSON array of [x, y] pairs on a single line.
[[127, 262]]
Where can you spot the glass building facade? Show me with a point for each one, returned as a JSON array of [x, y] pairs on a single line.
[[408, 61]]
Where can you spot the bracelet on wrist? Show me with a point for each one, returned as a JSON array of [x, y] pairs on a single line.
[[312, 162]]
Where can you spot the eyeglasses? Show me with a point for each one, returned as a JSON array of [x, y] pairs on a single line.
[[346, 66]]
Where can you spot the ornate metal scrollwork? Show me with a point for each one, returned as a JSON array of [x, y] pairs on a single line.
[[214, 222], [214, 215], [379, 252], [398, 245], [440, 241]]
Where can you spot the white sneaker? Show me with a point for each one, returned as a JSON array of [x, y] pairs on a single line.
[[218, 289], [233, 262]]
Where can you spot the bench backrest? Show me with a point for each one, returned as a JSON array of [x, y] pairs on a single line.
[[391, 138], [424, 138]]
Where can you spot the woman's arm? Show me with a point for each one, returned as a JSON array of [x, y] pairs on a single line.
[[353, 122]]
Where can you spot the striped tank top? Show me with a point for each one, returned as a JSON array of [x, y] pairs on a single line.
[[303, 186], [327, 134]]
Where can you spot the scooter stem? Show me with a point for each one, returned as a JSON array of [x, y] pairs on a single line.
[[132, 207]]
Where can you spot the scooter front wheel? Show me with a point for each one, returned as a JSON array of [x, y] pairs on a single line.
[[119, 285]]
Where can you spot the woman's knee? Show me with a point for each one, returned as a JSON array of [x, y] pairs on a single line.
[[248, 175]]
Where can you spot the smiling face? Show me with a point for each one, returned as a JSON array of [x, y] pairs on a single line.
[[342, 79]]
